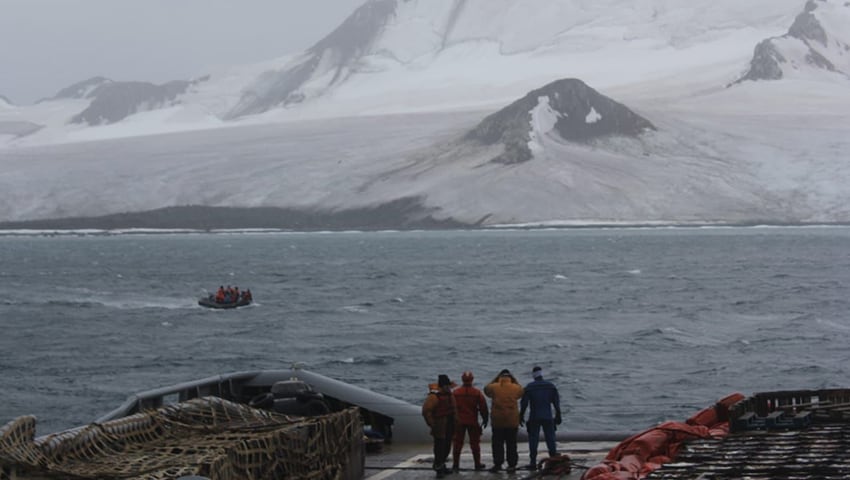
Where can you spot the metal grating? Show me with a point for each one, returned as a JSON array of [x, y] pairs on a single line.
[[819, 451]]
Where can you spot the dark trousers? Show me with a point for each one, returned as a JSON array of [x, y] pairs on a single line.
[[534, 427], [443, 446], [505, 439]]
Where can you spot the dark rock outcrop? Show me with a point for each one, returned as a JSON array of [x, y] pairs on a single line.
[[114, 101], [333, 55], [583, 115], [769, 58], [81, 90], [402, 213], [807, 27], [766, 62], [17, 128], [4, 99]]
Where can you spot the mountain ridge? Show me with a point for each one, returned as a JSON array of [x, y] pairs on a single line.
[[808, 45], [388, 117]]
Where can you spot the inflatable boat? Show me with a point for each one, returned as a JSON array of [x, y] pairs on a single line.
[[210, 302]]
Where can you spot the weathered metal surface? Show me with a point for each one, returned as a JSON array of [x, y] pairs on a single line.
[[801, 434]]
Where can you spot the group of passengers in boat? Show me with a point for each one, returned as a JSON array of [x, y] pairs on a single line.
[[232, 295], [453, 412]]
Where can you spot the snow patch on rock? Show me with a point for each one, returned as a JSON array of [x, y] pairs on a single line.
[[543, 120]]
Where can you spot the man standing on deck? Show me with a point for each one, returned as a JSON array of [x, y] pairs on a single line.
[[542, 396], [440, 412], [505, 391], [470, 404]]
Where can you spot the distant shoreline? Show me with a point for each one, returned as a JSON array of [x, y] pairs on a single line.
[[402, 215], [94, 232]]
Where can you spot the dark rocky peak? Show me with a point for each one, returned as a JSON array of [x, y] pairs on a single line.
[[356, 34], [82, 89], [114, 101], [4, 99], [807, 27], [774, 56], [335, 53], [766, 63], [568, 107]]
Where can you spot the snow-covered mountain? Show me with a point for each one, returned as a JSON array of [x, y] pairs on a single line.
[[11, 128], [567, 108], [477, 111], [818, 41], [79, 90], [401, 56], [112, 102]]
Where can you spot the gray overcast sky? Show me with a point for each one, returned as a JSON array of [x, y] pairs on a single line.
[[46, 45]]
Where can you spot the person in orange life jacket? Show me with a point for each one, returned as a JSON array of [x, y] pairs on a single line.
[[470, 404], [219, 295], [543, 398], [440, 412], [505, 391]]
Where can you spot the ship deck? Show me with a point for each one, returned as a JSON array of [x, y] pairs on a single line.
[[403, 462]]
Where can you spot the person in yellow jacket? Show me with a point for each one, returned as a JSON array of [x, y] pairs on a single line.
[[505, 391], [440, 413]]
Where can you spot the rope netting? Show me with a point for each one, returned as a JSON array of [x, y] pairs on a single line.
[[208, 437]]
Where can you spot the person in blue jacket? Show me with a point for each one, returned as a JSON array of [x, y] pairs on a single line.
[[543, 398]]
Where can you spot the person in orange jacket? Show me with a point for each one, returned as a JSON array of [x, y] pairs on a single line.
[[440, 412], [470, 404], [505, 391]]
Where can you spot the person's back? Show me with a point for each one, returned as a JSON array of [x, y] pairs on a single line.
[[542, 396], [470, 404], [504, 415], [439, 411], [505, 391]]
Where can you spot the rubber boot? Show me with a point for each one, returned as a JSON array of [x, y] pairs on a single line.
[[476, 456]]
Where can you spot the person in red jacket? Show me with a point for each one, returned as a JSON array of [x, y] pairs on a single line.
[[470, 404]]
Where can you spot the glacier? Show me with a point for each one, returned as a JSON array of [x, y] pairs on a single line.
[[378, 110]]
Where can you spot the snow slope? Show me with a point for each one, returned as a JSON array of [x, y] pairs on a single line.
[[817, 44], [382, 108], [401, 56]]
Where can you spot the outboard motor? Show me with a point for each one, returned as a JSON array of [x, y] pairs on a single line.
[[292, 397]]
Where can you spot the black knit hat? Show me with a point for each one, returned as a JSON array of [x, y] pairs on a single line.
[[505, 373], [443, 380]]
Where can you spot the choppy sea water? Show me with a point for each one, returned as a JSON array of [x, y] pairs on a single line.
[[635, 326]]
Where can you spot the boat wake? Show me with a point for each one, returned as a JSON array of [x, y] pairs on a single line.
[[139, 303]]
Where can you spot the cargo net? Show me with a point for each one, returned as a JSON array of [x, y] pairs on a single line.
[[208, 437]]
